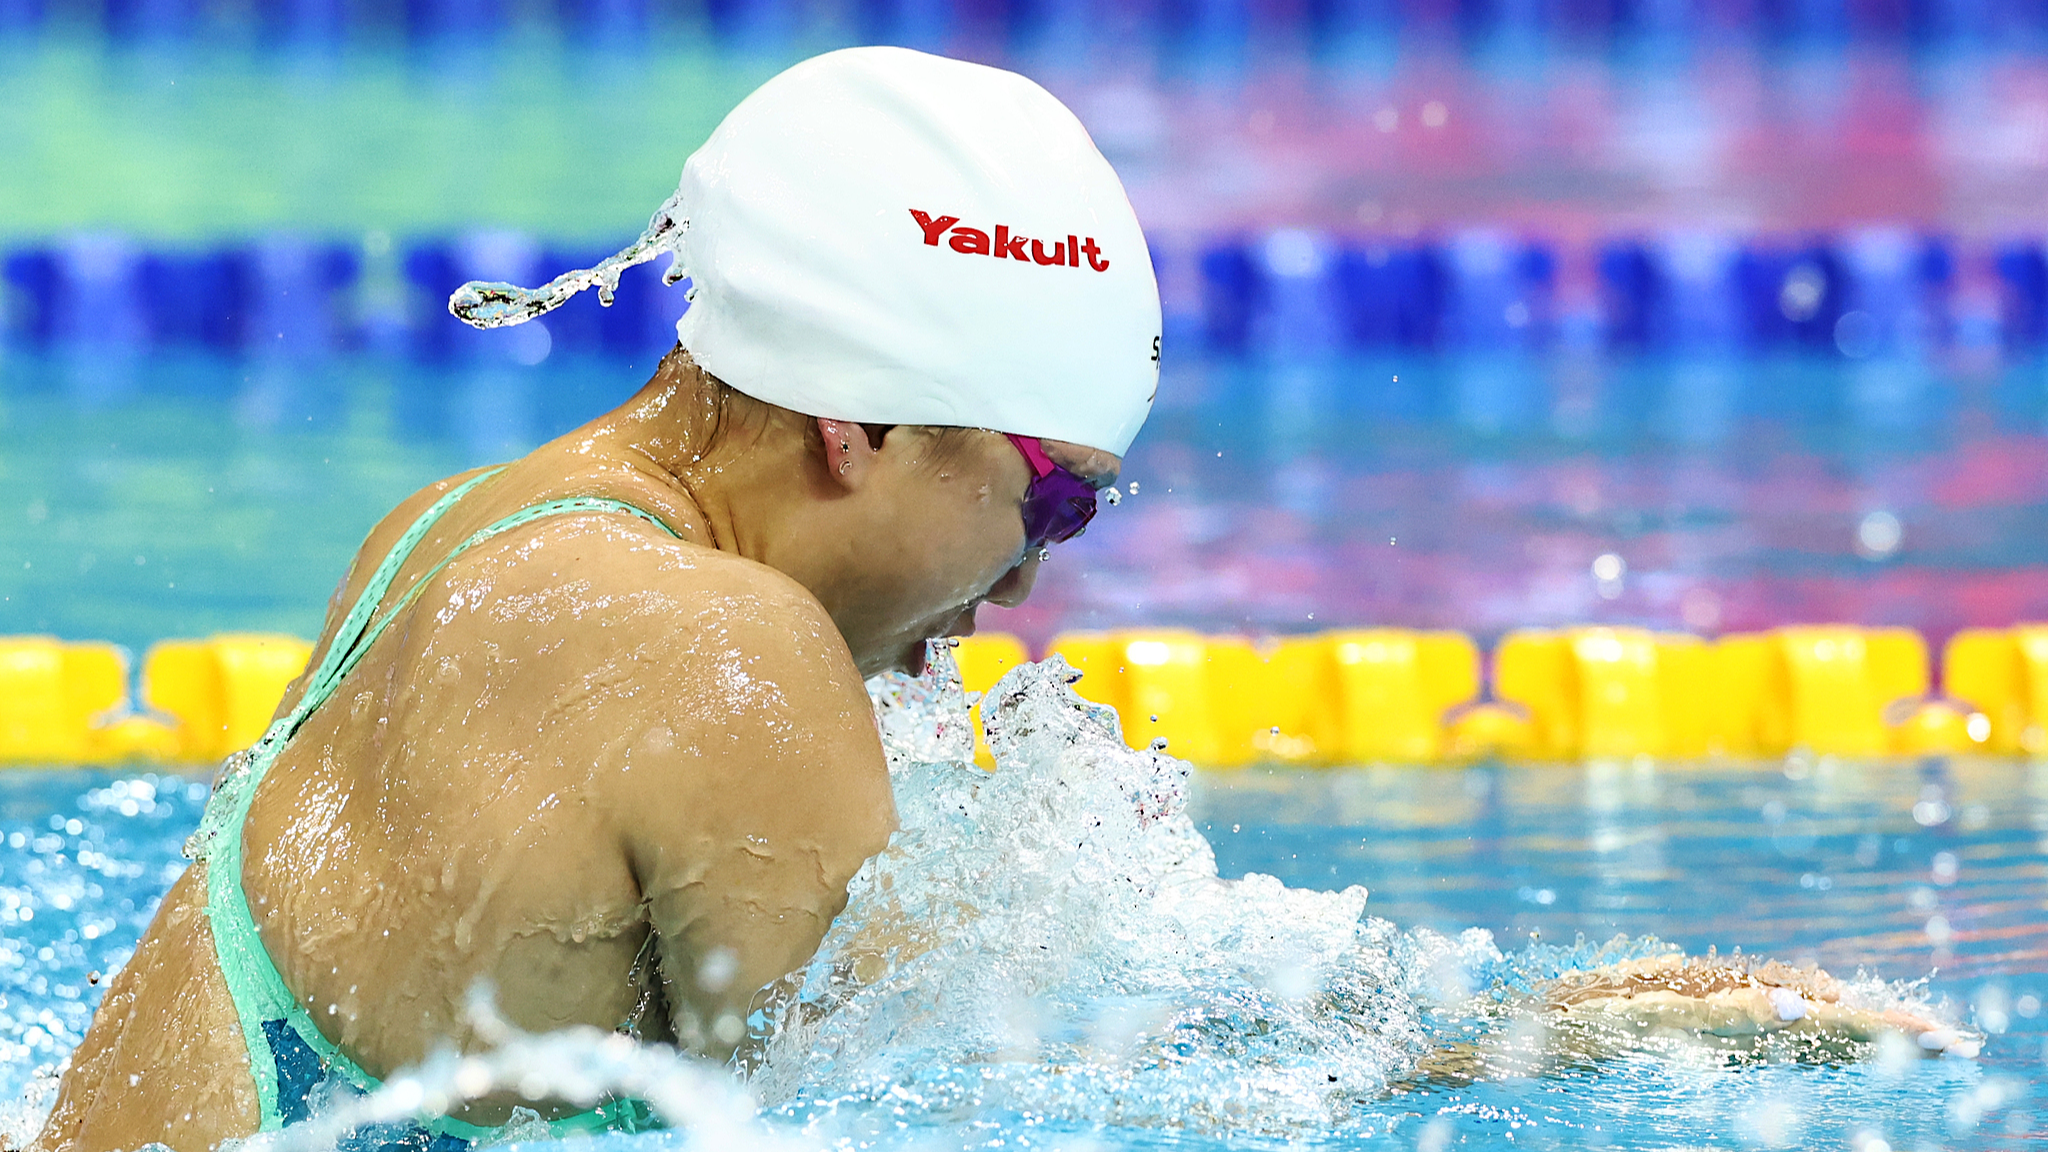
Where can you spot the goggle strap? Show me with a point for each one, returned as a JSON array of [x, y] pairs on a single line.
[[1041, 464]]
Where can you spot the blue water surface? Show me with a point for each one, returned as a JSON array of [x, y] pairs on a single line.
[[1931, 870], [1934, 869]]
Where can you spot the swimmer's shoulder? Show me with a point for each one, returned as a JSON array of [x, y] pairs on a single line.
[[696, 609], [384, 536], [402, 516], [751, 668], [725, 612]]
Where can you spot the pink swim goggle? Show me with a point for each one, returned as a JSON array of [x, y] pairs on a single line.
[[1059, 504]]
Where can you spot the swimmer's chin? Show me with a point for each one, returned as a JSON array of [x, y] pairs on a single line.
[[915, 657]]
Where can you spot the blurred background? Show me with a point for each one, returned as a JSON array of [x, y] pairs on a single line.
[[1701, 314]]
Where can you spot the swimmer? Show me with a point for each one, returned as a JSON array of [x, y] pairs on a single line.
[[589, 729]]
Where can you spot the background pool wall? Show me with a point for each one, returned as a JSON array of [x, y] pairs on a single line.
[[1350, 696]]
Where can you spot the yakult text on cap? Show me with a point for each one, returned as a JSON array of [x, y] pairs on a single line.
[[975, 242]]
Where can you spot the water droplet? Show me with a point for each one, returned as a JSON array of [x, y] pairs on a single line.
[[1878, 535], [715, 973]]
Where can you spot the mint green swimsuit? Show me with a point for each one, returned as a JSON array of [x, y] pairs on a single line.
[[293, 1063]]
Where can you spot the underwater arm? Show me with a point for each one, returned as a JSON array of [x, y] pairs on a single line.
[[1733, 1000], [1740, 1009]]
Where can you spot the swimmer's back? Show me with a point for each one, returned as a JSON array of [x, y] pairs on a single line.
[[588, 758], [581, 726]]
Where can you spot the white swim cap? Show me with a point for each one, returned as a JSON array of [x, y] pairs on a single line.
[[890, 237]]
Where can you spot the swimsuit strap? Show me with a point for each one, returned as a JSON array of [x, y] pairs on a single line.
[[235, 776], [327, 676], [271, 1017], [517, 519]]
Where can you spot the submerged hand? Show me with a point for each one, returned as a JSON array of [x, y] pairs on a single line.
[[1744, 1010], [1733, 1000]]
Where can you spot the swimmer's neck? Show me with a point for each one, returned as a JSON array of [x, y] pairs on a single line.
[[743, 476]]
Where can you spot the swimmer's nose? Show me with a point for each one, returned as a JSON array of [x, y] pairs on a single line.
[[1015, 586]]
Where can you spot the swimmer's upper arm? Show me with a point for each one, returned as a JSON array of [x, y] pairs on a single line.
[[773, 792]]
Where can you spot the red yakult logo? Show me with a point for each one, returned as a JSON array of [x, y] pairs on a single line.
[[975, 242]]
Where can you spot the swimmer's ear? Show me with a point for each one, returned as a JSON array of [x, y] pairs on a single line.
[[849, 455]]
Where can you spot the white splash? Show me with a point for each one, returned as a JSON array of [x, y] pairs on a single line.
[[1052, 938], [580, 1065]]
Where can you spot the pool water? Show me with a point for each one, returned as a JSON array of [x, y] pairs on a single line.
[[1934, 870], [177, 494], [165, 493]]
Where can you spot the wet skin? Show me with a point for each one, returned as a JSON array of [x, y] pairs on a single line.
[[623, 778]]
